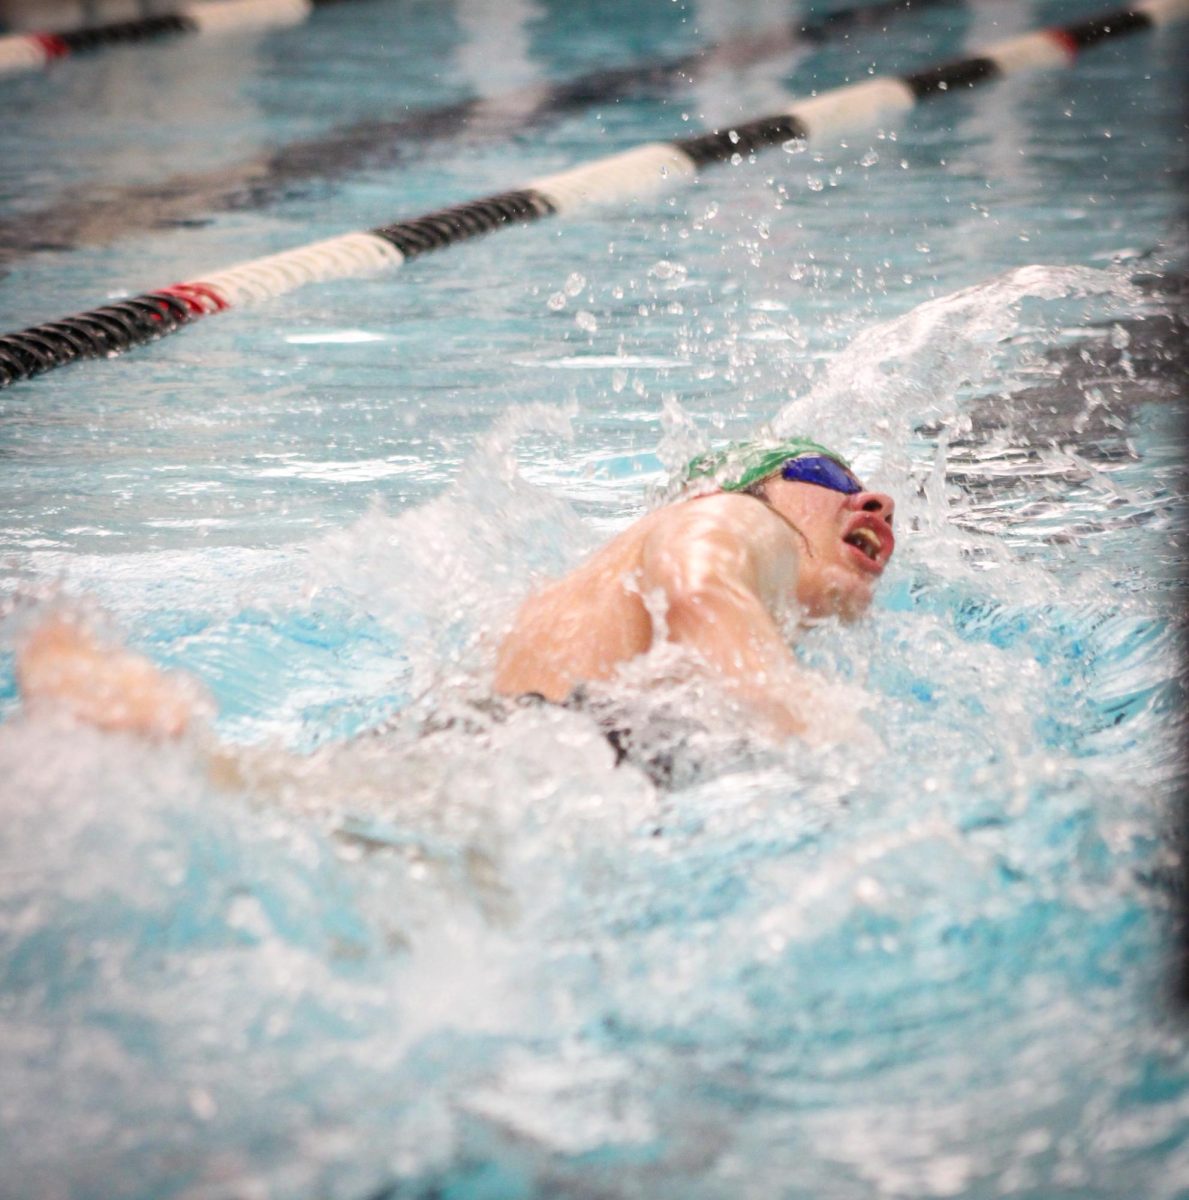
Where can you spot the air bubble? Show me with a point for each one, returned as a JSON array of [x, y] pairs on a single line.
[[575, 283], [586, 321], [557, 301]]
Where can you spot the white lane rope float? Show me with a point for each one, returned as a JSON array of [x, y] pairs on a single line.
[[86, 217], [32, 51], [642, 171]]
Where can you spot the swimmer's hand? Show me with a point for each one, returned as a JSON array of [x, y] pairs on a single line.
[[63, 667]]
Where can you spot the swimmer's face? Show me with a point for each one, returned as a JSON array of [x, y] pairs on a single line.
[[848, 541]]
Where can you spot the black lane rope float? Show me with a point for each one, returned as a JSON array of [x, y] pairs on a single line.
[[643, 171], [99, 217], [29, 51]]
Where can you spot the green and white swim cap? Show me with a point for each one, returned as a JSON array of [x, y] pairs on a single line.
[[740, 464]]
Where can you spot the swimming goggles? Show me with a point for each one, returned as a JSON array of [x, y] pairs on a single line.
[[823, 471]]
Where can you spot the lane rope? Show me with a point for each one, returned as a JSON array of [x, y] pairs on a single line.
[[32, 51], [86, 218], [642, 171]]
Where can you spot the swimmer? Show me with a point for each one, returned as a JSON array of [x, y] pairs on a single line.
[[758, 536]]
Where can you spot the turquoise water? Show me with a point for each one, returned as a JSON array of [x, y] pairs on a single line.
[[475, 959]]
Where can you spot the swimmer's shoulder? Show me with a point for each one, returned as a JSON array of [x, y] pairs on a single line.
[[716, 514], [733, 513]]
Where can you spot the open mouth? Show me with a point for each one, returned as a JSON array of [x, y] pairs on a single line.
[[866, 540]]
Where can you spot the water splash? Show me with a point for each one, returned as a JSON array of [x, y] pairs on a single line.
[[920, 367], [472, 954]]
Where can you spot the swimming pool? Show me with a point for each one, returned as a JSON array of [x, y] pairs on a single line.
[[478, 960]]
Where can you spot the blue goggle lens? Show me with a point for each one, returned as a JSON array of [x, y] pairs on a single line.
[[825, 472]]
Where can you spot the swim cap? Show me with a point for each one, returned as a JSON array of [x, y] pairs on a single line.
[[740, 464]]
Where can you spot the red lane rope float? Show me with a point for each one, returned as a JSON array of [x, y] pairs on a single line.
[[51, 44], [199, 298], [29, 51], [645, 170]]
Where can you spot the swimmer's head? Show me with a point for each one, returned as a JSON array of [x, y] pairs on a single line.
[[844, 530], [741, 465]]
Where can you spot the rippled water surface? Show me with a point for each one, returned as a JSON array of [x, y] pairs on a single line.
[[466, 955]]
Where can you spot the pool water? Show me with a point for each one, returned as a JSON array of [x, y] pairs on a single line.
[[467, 956]]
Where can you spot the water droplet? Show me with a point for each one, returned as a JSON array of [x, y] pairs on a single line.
[[575, 283], [869, 159], [586, 321], [814, 183], [557, 301], [202, 1104], [793, 146], [736, 159], [733, 137]]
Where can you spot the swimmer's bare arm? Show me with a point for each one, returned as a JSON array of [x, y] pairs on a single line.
[[65, 668], [63, 665], [726, 567]]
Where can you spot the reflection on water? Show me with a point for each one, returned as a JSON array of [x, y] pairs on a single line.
[[470, 955]]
